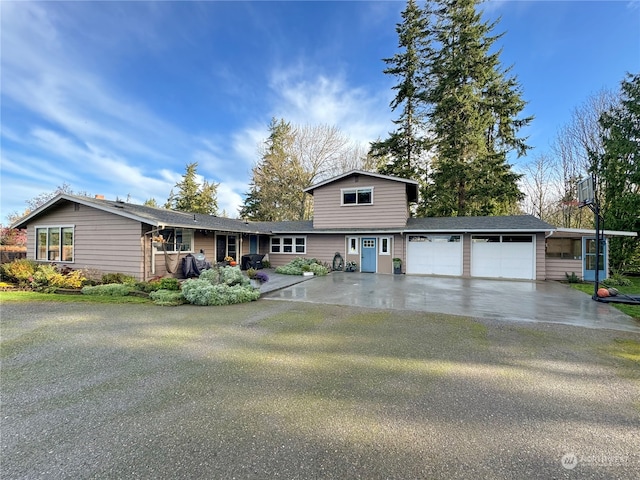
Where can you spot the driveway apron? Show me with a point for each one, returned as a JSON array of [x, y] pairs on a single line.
[[478, 298]]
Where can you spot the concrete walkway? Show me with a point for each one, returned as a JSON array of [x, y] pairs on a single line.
[[478, 298]]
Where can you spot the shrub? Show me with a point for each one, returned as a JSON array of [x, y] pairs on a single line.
[[251, 272], [110, 290], [212, 275], [617, 280], [197, 290], [119, 278], [573, 278], [20, 270], [299, 265], [232, 276], [167, 297], [48, 277], [202, 292]]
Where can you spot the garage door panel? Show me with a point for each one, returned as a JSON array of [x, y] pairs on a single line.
[[433, 255], [511, 257]]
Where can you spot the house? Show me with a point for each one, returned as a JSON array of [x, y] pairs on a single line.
[[362, 216]]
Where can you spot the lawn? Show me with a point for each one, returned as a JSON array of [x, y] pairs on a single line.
[[296, 390], [29, 296], [634, 288]]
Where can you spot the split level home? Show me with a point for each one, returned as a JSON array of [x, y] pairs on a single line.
[[361, 216]]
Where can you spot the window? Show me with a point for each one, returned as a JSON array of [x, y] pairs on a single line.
[[54, 244], [352, 243], [177, 239], [289, 245], [357, 196], [567, 248], [385, 246]]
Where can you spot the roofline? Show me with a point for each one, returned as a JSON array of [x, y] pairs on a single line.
[[479, 230], [82, 201], [359, 172], [587, 231]]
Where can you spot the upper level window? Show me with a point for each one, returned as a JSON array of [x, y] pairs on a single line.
[[176, 239], [54, 244], [357, 196]]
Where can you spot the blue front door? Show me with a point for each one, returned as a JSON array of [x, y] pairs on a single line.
[[589, 259], [368, 255], [253, 244]]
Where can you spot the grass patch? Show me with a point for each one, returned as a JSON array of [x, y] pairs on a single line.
[[634, 288], [25, 296], [626, 352]]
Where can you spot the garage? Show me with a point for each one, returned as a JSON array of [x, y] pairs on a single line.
[[503, 256], [434, 254]]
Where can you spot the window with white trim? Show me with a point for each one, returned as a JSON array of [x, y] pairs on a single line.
[[357, 196], [289, 245], [352, 245], [385, 246], [55, 244], [176, 239]]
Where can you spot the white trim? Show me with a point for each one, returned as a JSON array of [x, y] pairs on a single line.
[[354, 190], [355, 251], [60, 227], [293, 244], [359, 172], [586, 231], [389, 246]]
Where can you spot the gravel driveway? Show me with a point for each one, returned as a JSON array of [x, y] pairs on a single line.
[[277, 389]]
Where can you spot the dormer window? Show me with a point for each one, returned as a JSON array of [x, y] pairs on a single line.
[[357, 196]]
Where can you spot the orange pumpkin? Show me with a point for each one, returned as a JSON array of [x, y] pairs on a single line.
[[603, 292], [233, 263]]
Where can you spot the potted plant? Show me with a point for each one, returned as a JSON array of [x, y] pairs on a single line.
[[350, 267], [257, 278], [397, 265]]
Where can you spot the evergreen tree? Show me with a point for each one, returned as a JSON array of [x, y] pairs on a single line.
[[278, 180], [474, 118], [403, 153], [617, 169], [192, 196]]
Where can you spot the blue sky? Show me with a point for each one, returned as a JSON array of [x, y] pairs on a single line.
[[115, 98]]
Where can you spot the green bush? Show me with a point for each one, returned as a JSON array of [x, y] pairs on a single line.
[[617, 280], [20, 270], [299, 265], [110, 290], [167, 298], [233, 276], [212, 275], [108, 278], [202, 292], [573, 278]]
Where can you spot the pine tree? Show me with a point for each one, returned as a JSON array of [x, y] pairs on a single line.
[[403, 153], [474, 118], [192, 196], [617, 169]]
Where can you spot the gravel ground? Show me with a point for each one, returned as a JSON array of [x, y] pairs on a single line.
[[293, 390]]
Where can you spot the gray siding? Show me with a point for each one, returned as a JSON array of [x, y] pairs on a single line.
[[389, 208], [102, 241]]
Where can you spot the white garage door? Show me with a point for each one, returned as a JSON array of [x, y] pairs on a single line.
[[503, 256], [434, 254]]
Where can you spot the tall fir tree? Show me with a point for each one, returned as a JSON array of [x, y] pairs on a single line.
[[617, 169], [192, 196], [278, 179], [403, 152], [474, 117]]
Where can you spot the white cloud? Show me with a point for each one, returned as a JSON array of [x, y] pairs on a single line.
[[305, 97]]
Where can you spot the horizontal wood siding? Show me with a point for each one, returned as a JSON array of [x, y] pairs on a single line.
[[389, 208], [102, 241], [556, 268], [541, 259]]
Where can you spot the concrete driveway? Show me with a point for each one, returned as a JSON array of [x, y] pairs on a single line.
[[478, 298]]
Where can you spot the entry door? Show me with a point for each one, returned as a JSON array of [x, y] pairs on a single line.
[[253, 244], [368, 253], [589, 259]]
